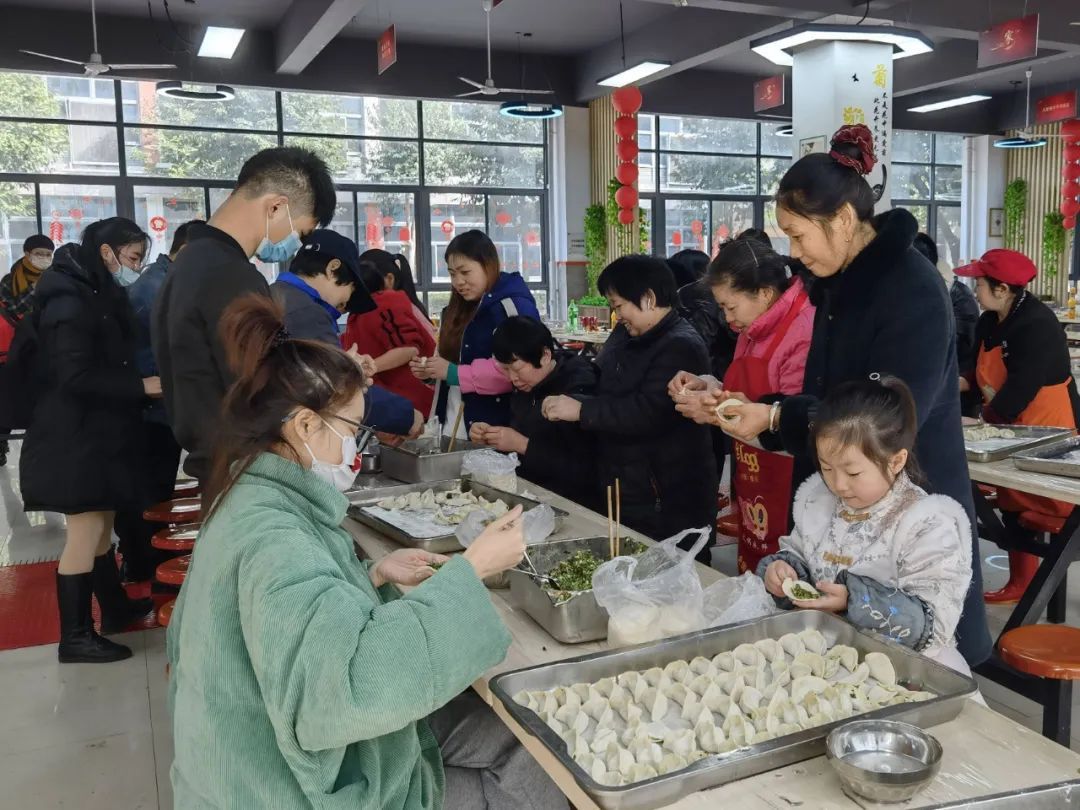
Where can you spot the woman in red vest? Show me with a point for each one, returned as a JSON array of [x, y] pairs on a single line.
[[772, 313]]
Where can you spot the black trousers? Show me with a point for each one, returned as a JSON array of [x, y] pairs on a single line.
[[161, 455]]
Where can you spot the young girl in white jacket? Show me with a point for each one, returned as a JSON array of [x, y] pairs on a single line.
[[883, 553]]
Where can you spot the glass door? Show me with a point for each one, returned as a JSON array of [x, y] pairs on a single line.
[[160, 210]]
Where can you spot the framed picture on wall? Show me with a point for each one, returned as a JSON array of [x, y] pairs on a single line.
[[815, 144], [997, 223]]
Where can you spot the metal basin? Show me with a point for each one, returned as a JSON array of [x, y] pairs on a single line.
[[883, 760]]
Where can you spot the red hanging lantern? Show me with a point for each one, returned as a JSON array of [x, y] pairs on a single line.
[[627, 151], [626, 126], [723, 231], [502, 218], [1071, 171], [532, 238], [404, 235], [626, 100], [1069, 223], [1070, 129], [696, 227], [1072, 152], [627, 216], [1070, 188], [56, 231], [388, 222], [626, 197], [447, 227], [1070, 207], [627, 173], [676, 238]]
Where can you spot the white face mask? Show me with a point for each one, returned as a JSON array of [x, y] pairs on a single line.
[[40, 262], [340, 476]]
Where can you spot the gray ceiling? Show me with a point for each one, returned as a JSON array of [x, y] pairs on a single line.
[[329, 44]]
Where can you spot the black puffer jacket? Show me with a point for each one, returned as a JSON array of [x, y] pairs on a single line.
[[81, 452], [888, 312], [699, 308], [561, 456], [664, 462]]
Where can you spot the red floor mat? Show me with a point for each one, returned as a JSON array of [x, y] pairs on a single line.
[[28, 616]]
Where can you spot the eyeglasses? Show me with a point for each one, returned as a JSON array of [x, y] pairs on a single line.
[[363, 432]]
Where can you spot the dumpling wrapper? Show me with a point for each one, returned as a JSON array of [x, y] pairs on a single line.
[[799, 591], [722, 409]]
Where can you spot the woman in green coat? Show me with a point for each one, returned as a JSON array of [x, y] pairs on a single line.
[[300, 676]]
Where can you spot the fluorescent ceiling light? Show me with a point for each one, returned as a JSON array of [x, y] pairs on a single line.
[[960, 101], [220, 43], [634, 74], [777, 47]]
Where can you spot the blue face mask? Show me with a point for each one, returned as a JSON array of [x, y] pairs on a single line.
[[126, 277], [276, 252]]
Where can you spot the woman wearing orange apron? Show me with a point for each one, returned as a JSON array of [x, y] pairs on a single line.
[[1024, 374], [774, 318]]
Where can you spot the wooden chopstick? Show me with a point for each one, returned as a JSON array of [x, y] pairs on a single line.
[[610, 527], [618, 516], [457, 425]]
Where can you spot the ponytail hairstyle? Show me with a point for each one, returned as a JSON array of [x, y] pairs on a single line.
[[748, 266], [478, 247], [117, 233], [818, 185], [275, 374], [876, 415], [398, 268]]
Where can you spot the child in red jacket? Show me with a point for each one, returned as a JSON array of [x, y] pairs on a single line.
[[393, 336]]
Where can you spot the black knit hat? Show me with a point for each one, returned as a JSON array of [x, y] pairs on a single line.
[[37, 242]]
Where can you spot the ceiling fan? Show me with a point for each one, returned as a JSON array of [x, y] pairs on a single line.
[[94, 66], [488, 88]]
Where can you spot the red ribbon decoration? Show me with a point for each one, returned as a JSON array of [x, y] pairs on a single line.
[[860, 136]]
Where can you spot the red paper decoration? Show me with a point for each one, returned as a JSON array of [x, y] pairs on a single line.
[[532, 238], [371, 233], [158, 224], [626, 100], [627, 215], [502, 218], [676, 238], [627, 151], [626, 197], [627, 173], [723, 231], [696, 227], [404, 235], [447, 227], [626, 126], [56, 232]]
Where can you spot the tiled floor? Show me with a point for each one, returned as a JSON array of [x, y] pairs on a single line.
[[99, 737]]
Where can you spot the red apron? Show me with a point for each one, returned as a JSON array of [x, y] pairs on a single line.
[[1051, 407], [762, 479]]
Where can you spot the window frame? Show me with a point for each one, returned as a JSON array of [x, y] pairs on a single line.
[[932, 204]]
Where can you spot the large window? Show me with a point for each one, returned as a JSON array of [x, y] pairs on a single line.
[[410, 174], [704, 180], [926, 180]]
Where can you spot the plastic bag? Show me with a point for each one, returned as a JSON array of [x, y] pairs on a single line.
[[492, 468], [653, 595], [737, 599], [538, 524]]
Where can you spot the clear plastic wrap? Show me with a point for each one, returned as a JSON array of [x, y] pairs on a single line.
[[737, 599], [492, 468]]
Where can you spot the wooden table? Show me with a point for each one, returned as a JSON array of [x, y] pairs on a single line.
[[981, 746], [1048, 579], [592, 338]]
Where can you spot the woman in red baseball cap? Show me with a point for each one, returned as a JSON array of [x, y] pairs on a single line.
[[1025, 377]]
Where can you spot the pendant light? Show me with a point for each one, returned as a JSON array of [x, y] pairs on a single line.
[[1025, 139]]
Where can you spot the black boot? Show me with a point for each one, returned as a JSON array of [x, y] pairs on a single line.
[[118, 610], [3, 453], [79, 644]]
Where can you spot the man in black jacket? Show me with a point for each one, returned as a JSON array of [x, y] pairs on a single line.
[[281, 194], [559, 456]]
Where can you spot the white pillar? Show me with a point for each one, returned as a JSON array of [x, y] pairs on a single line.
[[836, 83]]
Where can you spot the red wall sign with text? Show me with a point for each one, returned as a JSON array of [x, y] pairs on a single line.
[[1009, 41], [769, 93], [1057, 107], [387, 46]]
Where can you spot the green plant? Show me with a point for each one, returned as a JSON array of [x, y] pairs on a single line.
[[612, 206], [1053, 243], [592, 301], [595, 244], [1015, 211], [643, 227]]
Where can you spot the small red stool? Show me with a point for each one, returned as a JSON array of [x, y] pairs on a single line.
[[1050, 652], [989, 493], [181, 510], [174, 571], [176, 538], [186, 488], [1048, 527], [164, 613]]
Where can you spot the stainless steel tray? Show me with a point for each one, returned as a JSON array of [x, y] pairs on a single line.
[[1048, 458], [417, 460], [912, 669], [1026, 438], [437, 544], [575, 621], [1058, 796]]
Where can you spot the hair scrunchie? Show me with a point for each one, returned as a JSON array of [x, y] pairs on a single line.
[[863, 140], [281, 337]]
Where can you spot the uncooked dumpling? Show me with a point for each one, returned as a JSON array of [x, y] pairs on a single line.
[[603, 738], [690, 706], [771, 649], [677, 692], [700, 684], [594, 706], [881, 668], [847, 656], [701, 665], [642, 772], [792, 644], [748, 655], [675, 668], [671, 763], [806, 685], [658, 706], [814, 661], [709, 738], [814, 641], [653, 676], [725, 661], [715, 700]]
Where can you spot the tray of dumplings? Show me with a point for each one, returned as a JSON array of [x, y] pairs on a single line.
[[427, 515], [984, 442], [643, 726]]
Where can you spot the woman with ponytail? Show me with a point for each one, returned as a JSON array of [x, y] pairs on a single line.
[[82, 454], [396, 268], [882, 309], [308, 672]]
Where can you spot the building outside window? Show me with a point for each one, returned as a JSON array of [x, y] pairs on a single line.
[[927, 175]]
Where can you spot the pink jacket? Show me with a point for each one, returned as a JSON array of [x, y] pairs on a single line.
[[484, 376], [788, 363]]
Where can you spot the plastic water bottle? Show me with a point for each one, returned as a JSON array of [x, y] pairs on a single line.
[[572, 317]]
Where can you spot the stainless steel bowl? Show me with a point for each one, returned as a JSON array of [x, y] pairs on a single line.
[[883, 760]]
